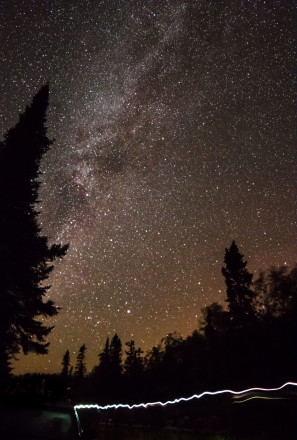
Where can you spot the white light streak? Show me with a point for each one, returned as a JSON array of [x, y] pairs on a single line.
[[181, 399]]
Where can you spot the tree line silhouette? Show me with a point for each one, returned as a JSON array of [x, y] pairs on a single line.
[[251, 341]]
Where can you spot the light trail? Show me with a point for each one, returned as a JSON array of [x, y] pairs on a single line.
[[260, 397], [181, 399]]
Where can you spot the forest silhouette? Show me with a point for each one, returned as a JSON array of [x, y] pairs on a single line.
[[249, 340], [254, 345]]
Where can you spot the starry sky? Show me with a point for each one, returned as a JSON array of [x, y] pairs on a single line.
[[175, 134]]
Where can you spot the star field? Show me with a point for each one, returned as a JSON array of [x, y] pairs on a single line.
[[175, 134]]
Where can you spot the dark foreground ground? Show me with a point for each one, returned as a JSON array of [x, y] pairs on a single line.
[[217, 418]]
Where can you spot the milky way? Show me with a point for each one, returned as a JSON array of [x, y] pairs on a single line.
[[175, 134]]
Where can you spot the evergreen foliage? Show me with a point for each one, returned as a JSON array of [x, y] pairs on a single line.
[[25, 256], [80, 367], [133, 365], [104, 360], [238, 281], [66, 364], [110, 359], [116, 356]]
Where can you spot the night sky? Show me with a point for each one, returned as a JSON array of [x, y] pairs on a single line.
[[175, 134]]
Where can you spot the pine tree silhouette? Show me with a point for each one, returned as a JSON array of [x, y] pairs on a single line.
[[80, 367], [25, 256], [116, 355], [238, 282], [104, 360], [66, 364]]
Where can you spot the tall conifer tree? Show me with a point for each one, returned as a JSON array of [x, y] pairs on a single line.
[[238, 282], [66, 364], [80, 367], [116, 355], [25, 256], [104, 358]]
